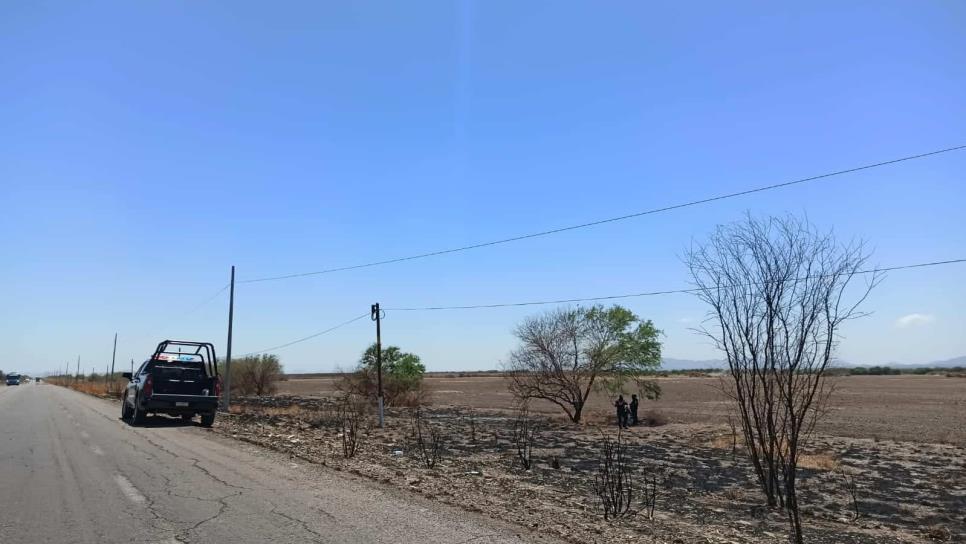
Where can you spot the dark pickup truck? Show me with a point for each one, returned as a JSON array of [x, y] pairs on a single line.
[[180, 379]]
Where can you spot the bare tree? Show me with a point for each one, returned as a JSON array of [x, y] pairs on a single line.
[[779, 290], [564, 353]]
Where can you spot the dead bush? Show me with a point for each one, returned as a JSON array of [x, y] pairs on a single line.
[[649, 491], [852, 490], [939, 533], [352, 413], [524, 431], [653, 418], [471, 423], [428, 438], [614, 482]]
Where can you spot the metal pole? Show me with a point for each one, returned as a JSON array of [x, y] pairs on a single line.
[[376, 315], [110, 380], [231, 315]]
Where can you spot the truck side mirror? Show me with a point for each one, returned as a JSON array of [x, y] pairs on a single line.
[[126, 375]]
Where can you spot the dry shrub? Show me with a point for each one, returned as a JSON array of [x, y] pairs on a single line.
[[614, 483], [819, 461], [428, 438], [723, 442], [524, 432], [852, 490], [653, 418], [293, 410], [254, 375], [939, 533], [599, 418], [825, 461], [97, 387], [353, 419]]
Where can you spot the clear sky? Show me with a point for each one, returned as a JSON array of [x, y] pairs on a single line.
[[147, 146]]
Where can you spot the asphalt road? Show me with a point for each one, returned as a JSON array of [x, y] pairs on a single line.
[[72, 472]]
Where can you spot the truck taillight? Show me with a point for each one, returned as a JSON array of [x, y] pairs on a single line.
[[217, 387], [148, 386]]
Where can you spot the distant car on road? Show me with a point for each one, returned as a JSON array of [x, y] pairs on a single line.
[[180, 379], [13, 379]]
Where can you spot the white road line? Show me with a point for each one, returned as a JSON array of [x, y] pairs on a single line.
[[129, 490]]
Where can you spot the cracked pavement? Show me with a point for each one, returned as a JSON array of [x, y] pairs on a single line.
[[73, 472]]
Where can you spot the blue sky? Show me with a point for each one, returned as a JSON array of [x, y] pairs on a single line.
[[148, 146]]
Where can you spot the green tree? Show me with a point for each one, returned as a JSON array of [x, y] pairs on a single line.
[[564, 354], [254, 375], [402, 376]]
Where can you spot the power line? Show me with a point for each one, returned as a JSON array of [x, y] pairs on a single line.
[[608, 220], [311, 336], [645, 294], [194, 309]]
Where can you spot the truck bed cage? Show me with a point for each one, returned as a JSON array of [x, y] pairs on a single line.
[[203, 352]]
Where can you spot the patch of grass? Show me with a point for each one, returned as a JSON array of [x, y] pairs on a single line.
[[98, 388], [819, 461]]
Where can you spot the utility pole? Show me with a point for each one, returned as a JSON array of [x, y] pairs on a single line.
[[110, 376], [110, 382], [231, 315], [77, 374], [376, 315]]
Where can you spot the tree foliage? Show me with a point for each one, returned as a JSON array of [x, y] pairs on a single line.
[[402, 377], [565, 353], [254, 375]]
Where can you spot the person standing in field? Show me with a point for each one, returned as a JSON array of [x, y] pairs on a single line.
[[634, 405], [621, 406]]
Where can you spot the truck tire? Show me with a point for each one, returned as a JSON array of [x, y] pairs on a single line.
[[125, 409], [138, 416], [207, 420]]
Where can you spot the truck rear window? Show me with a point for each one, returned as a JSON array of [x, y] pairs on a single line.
[[187, 371]]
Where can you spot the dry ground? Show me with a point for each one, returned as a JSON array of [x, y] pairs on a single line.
[[902, 439], [906, 491], [930, 409]]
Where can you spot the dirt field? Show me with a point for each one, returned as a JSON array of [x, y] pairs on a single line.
[[907, 492], [928, 409]]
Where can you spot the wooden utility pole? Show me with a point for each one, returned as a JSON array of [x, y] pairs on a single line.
[[231, 315], [376, 315], [110, 379]]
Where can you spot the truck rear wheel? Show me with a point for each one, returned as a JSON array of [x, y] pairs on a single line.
[[138, 417], [125, 409], [207, 420]]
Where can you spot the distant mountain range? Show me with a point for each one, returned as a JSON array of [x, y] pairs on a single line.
[[668, 363], [688, 364]]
